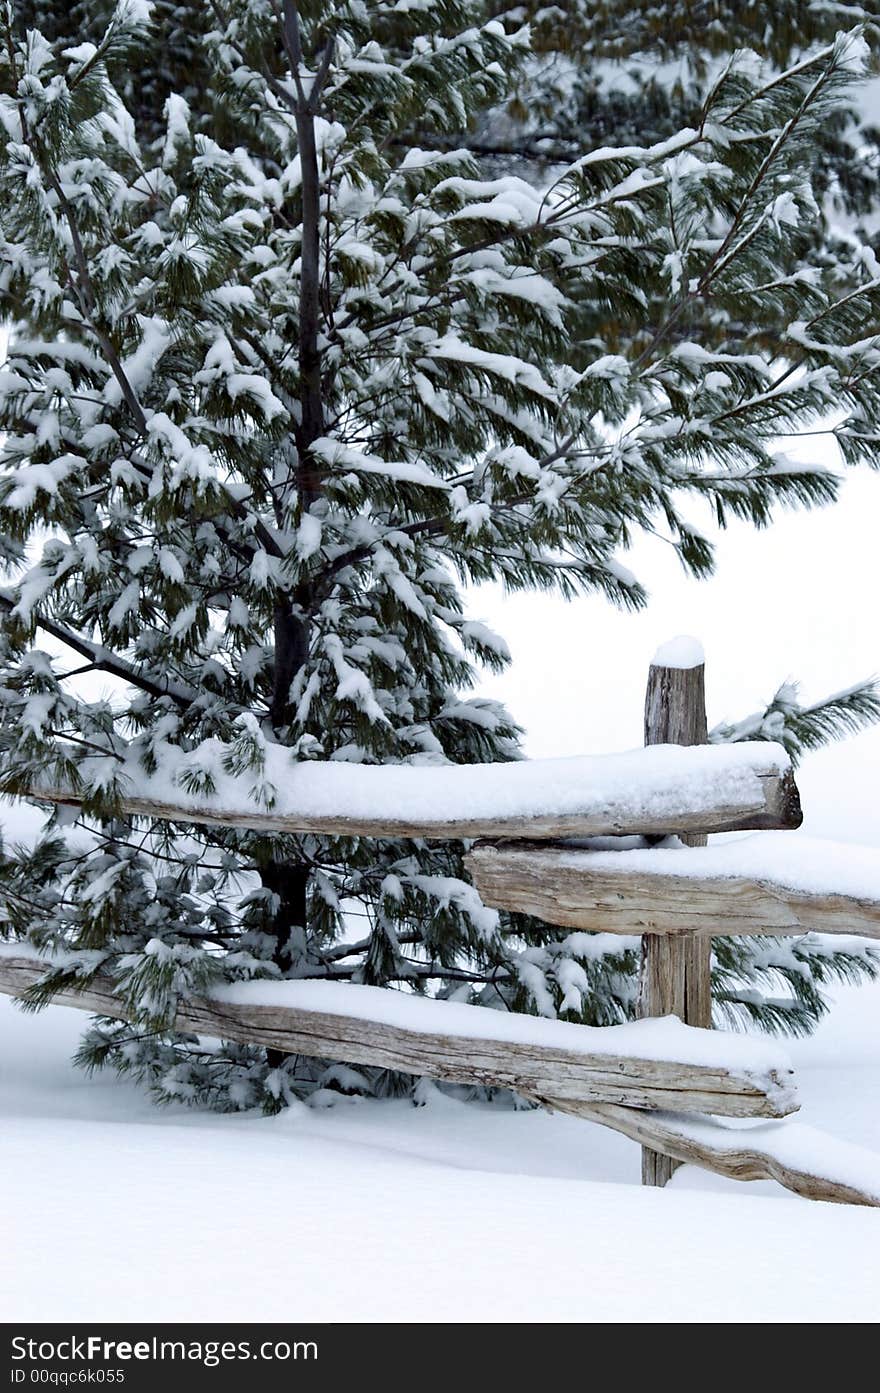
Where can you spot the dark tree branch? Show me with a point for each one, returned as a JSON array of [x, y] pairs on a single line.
[[100, 657]]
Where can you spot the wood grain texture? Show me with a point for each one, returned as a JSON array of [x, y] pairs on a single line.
[[776, 805], [530, 1069], [675, 976], [561, 887], [754, 1154], [675, 706]]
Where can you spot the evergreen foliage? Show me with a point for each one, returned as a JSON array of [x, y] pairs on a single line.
[[280, 382]]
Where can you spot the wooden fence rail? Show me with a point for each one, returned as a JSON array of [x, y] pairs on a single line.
[[624, 1092], [657, 1096], [654, 792], [586, 890], [800, 1158], [564, 1069]]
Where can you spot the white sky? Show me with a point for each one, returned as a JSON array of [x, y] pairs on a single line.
[[798, 600]]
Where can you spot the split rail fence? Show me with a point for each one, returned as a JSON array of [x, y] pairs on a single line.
[[666, 1085]]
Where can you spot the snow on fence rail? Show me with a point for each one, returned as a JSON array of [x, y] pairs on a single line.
[[765, 884], [666, 788], [801, 1158], [645, 1064], [647, 1079]]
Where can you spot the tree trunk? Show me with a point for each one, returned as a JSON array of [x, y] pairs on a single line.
[[289, 923], [291, 654], [292, 624]]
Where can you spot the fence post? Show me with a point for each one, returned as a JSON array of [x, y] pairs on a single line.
[[675, 976]]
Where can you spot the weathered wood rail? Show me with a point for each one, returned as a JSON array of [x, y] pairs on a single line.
[[782, 1151], [610, 1075], [649, 792], [659, 1102], [660, 1097], [581, 890]]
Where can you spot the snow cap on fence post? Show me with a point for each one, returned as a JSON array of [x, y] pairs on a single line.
[[681, 652]]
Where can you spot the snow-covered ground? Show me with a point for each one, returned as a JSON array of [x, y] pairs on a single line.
[[381, 1211]]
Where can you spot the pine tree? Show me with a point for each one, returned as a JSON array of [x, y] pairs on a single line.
[[279, 383], [609, 73], [624, 70]]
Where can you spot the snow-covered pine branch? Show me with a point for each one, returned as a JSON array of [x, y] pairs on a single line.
[[278, 382], [801, 727]]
